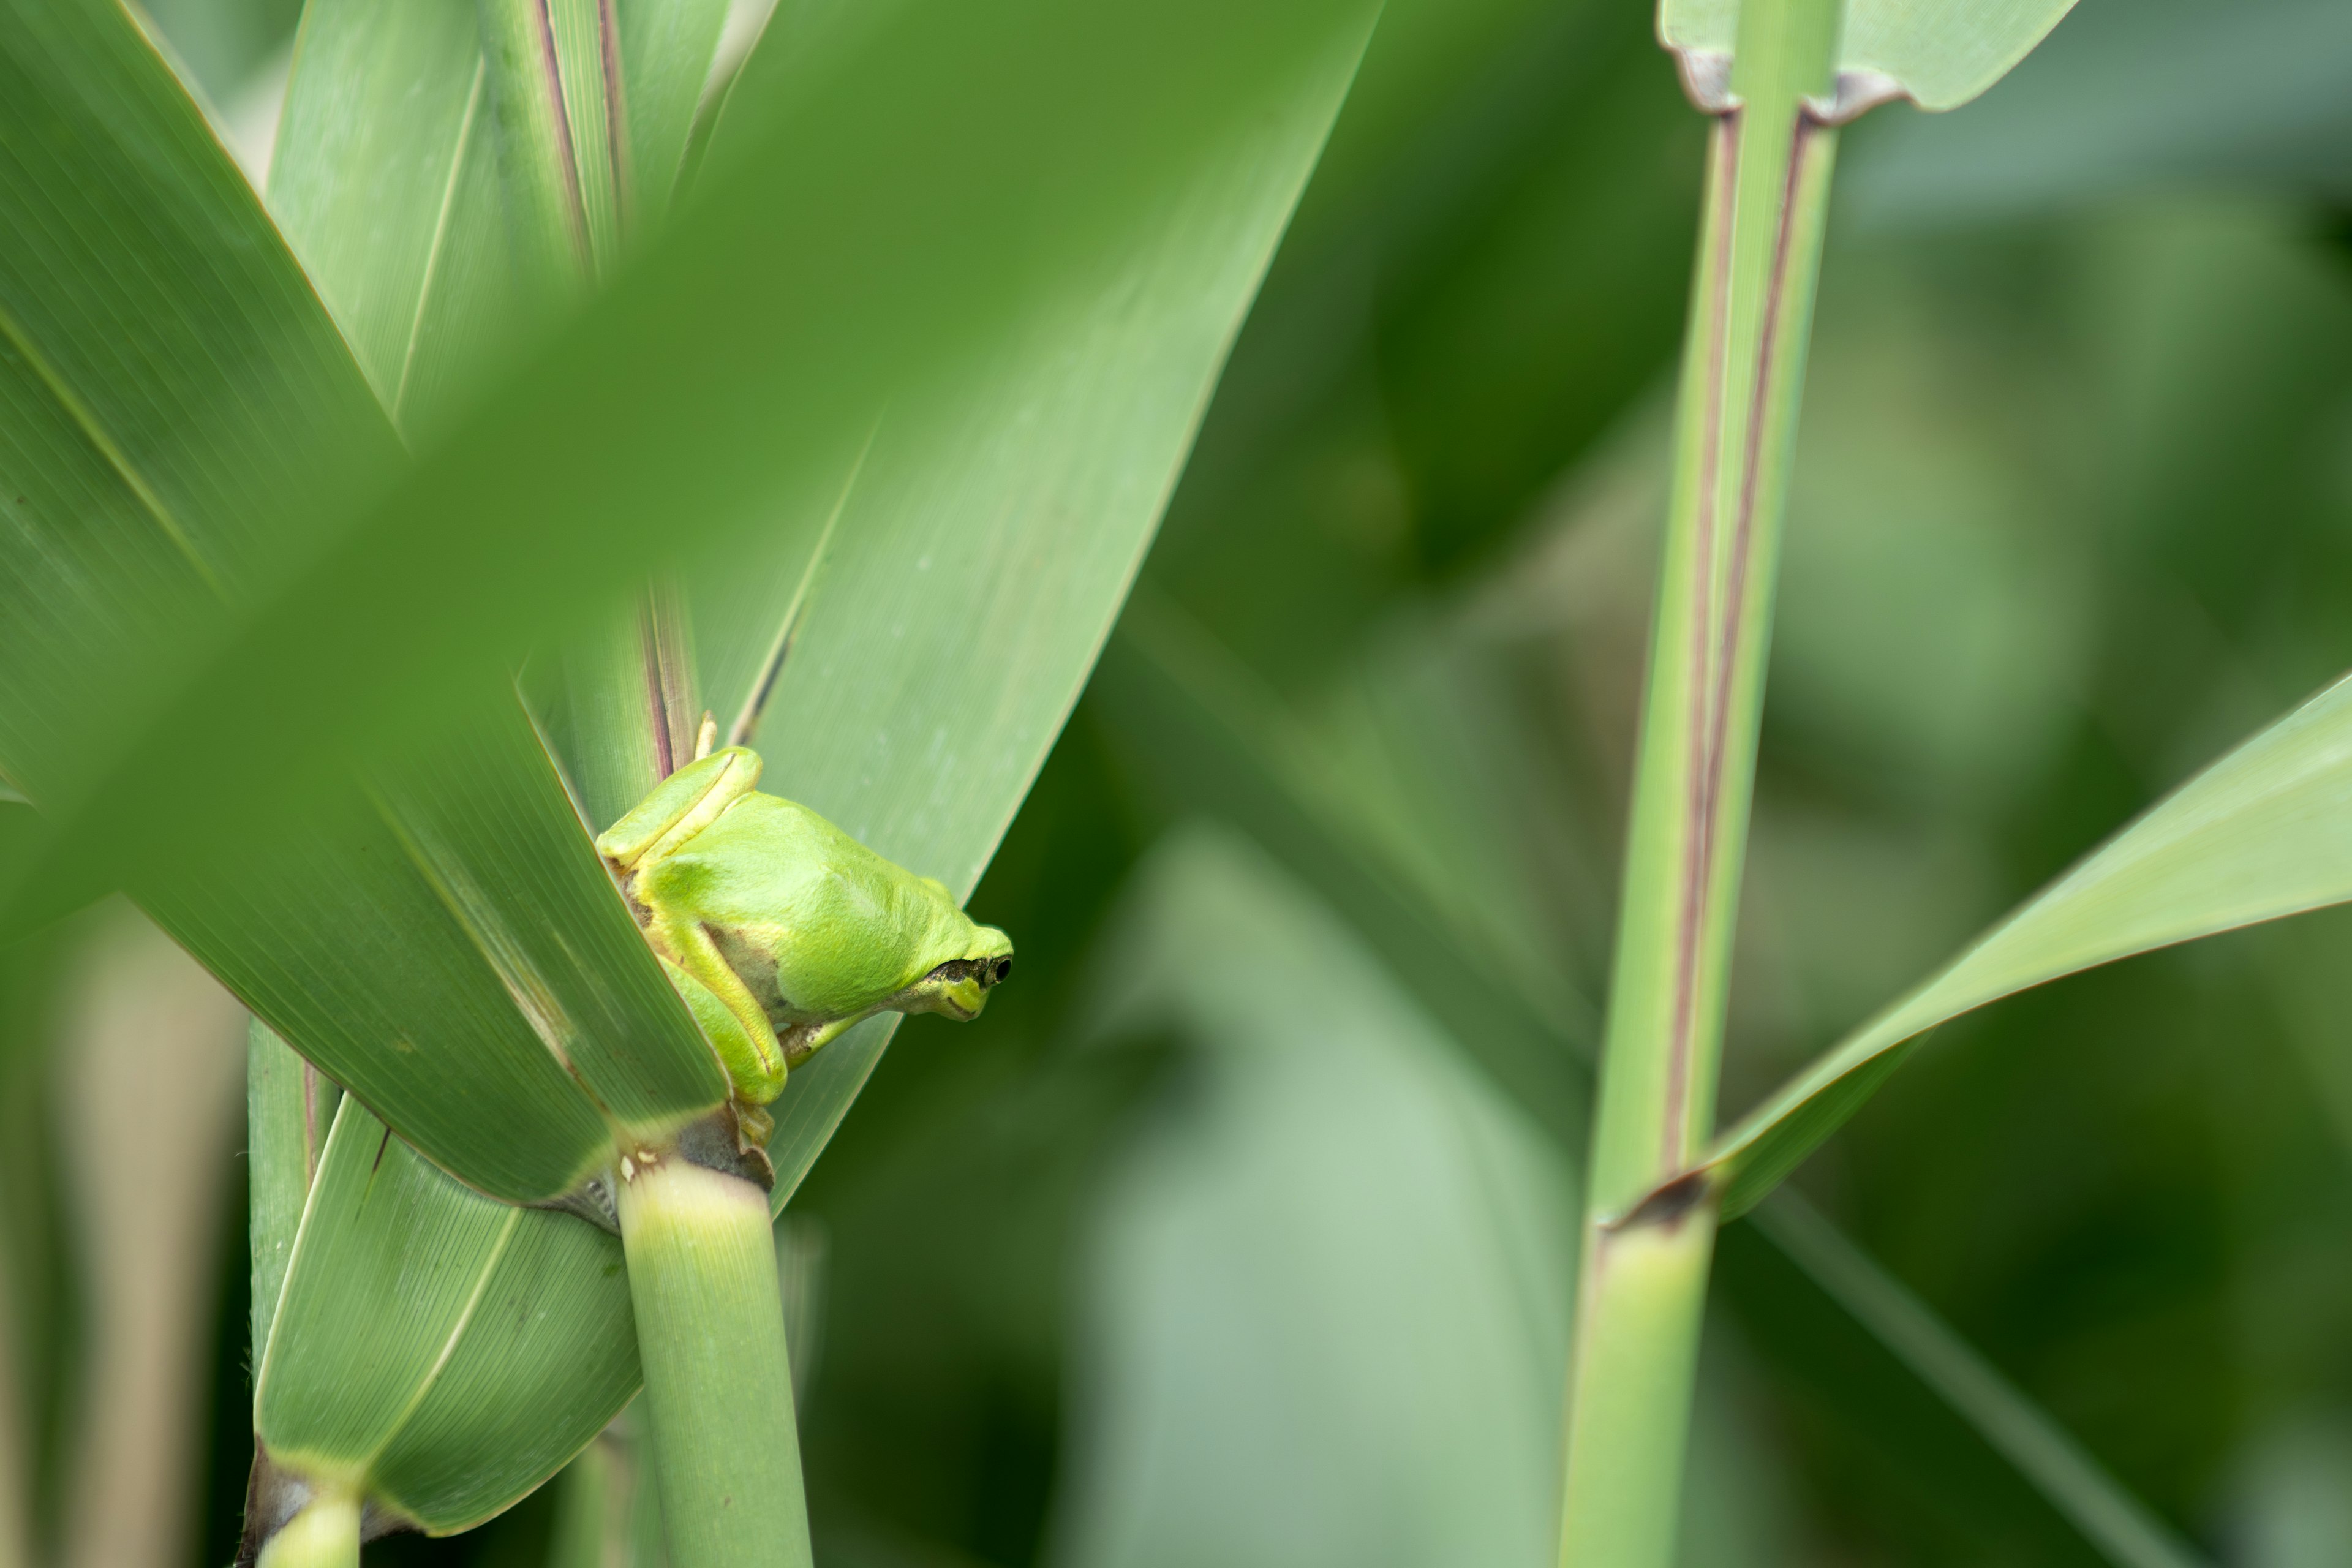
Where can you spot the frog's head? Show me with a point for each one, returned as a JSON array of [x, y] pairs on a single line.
[[959, 986]]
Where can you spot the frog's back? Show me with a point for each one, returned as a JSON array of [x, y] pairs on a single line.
[[848, 928]]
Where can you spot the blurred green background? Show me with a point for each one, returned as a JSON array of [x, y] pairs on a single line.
[[1241, 1230]]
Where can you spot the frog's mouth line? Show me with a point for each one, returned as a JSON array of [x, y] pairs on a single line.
[[986, 972]]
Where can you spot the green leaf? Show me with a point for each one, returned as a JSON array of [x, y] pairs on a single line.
[[2261, 834], [2147, 96], [1937, 53], [173, 405], [444, 942], [446, 946], [436, 1350], [795, 295], [667, 51], [288, 1111], [946, 606], [383, 108], [1332, 1186], [998, 549], [2110, 1518]]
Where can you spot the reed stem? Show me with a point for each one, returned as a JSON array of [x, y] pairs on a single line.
[[718, 1388]]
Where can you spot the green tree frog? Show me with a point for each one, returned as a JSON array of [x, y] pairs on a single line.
[[781, 930]]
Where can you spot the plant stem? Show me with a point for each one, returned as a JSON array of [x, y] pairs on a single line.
[[1649, 1237], [325, 1534], [718, 1391]]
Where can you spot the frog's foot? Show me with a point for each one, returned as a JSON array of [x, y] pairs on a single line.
[[753, 1128]]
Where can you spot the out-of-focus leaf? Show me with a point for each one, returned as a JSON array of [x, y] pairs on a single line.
[[2263, 832], [730, 372], [1000, 551], [436, 1350], [2125, 99], [1937, 53], [442, 942], [174, 407], [172, 392], [2110, 1518], [1328, 1186], [1208, 736]]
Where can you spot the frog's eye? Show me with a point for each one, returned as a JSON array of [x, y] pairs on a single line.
[[1003, 968]]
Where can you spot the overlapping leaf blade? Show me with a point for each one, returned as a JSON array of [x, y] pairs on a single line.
[[1937, 53], [728, 372], [2263, 832], [178, 409], [435, 1348], [994, 539]]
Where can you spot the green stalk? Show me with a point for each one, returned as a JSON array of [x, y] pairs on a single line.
[[719, 1386], [700, 1256], [325, 1534], [1649, 1233]]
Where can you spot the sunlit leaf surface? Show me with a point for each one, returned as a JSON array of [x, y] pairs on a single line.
[[2264, 832]]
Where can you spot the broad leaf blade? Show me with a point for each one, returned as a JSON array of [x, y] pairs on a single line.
[[730, 368], [980, 544], [1945, 52], [441, 1352], [2265, 832], [1098, 467], [170, 390], [174, 404], [1937, 53], [446, 945], [383, 109]]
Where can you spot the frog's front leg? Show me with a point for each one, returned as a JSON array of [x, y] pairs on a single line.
[[681, 806]]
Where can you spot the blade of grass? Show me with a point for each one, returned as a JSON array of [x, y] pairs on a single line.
[[446, 946], [173, 405], [289, 1106], [2260, 835], [384, 107], [667, 48], [2110, 1518], [149, 511], [434, 1353], [994, 537]]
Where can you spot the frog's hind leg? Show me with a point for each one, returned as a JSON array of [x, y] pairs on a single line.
[[681, 806], [754, 1058]]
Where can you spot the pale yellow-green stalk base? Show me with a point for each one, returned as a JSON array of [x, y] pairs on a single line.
[[325, 1534], [1636, 1356], [718, 1390]]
